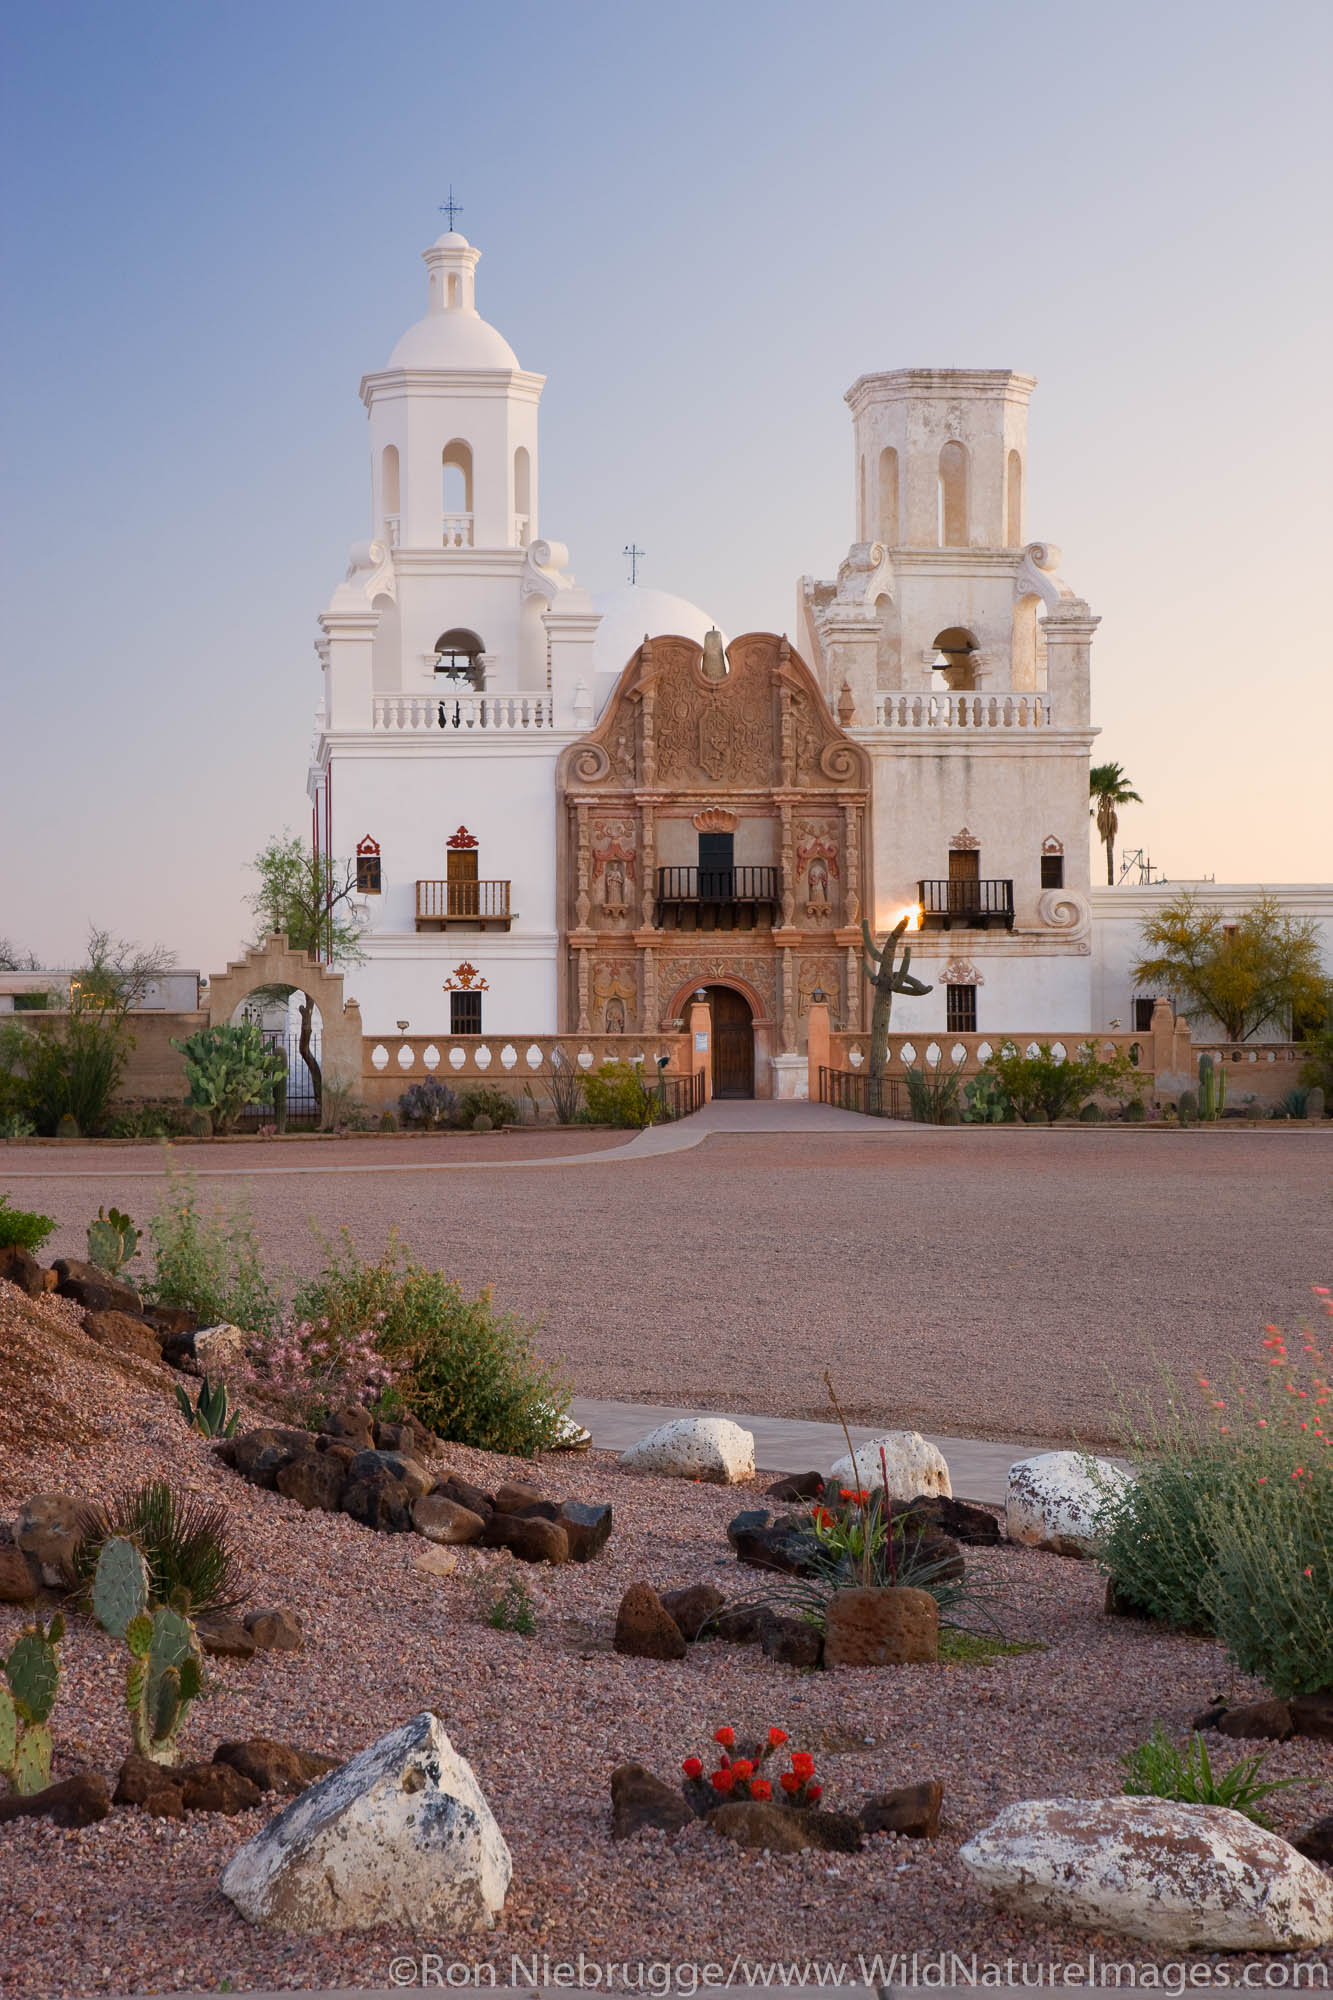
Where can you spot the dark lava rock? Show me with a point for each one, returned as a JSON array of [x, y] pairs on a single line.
[[18, 1579], [975, 1527], [225, 1638], [218, 1788], [515, 1498], [154, 1788], [912, 1809], [95, 1290], [693, 1606], [1271, 1719], [1316, 1842], [645, 1629], [275, 1631], [740, 1624], [379, 1500], [466, 1494], [260, 1453], [77, 1801], [368, 1464], [768, 1541], [587, 1529], [272, 1766], [21, 1268], [315, 1480], [639, 1800], [1312, 1714], [167, 1320], [796, 1486], [527, 1536], [790, 1641], [353, 1426], [124, 1333], [440, 1519]]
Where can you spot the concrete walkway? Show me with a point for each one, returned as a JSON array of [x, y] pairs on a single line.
[[978, 1470]]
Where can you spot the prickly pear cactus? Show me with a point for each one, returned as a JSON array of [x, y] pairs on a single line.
[[32, 1672], [164, 1680], [120, 1586], [112, 1240]]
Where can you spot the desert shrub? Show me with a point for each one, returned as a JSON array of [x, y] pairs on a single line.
[[512, 1610], [486, 1100], [1229, 1526], [185, 1541], [1317, 1068], [318, 1364], [164, 1120], [23, 1226], [1157, 1770], [565, 1088], [1049, 1086], [470, 1373], [616, 1094], [429, 1103], [340, 1106], [208, 1263], [13, 1125], [71, 1066], [932, 1094]]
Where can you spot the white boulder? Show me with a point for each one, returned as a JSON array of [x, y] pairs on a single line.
[[914, 1467], [400, 1835], [1053, 1500], [709, 1448], [1193, 1878], [219, 1348]]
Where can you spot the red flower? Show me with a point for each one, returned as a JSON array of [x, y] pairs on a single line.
[[815, 1792], [776, 1736], [802, 1763], [724, 1736], [761, 1789], [822, 1517], [742, 1767], [790, 1782], [722, 1781], [693, 1767]]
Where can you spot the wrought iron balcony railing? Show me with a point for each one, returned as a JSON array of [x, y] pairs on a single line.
[[716, 898], [975, 904], [462, 903]]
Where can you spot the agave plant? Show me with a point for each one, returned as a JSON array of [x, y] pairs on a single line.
[[185, 1542], [209, 1413]]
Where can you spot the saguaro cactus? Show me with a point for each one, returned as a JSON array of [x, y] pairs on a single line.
[[1212, 1088], [32, 1672], [166, 1671], [887, 979]]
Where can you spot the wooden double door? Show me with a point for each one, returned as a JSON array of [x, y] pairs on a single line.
[[733, 1043]]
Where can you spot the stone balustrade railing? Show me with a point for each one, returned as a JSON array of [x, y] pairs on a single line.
[[929, 1050], [461, 714], [390, 1063], [995, 709]]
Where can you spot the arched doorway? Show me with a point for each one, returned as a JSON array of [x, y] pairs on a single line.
[[733, 1042]]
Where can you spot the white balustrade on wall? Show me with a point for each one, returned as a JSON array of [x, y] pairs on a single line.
[[461, 714], [457, 531], [1002, 709]]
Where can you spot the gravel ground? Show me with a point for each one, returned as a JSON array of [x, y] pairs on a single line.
[[132, 1904], [992, 1283]]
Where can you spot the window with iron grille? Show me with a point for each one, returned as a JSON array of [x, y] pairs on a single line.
[[465, 1013], [368, 874], [1143, 1006], [1052, 871], [960, 1016]]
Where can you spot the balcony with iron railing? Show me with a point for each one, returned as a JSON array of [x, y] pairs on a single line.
[[464, 906], [966, 905], [717, 899]]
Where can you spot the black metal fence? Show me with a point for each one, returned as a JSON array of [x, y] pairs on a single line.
[[849, 1090], [302, 1109], [974, 903], [718, 885], [684, 1094]]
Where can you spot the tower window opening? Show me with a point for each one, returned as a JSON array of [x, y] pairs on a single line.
[[953, 496], [389, 482], [455, 294], [1052, 871], [955, 660], [457, 494], [458, 659]]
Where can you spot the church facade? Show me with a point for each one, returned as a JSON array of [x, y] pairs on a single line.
[[572, 814]]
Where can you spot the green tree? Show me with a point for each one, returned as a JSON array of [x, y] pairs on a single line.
[[70, 1062], [311, 900], [1109, 786], [1246, 972]]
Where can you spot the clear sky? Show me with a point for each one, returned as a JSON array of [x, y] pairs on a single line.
[[701, 222]]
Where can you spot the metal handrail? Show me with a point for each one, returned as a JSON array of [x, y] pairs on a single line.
[[852, 1090], [718, 885]]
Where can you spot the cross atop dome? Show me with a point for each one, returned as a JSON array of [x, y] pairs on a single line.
[[451, 208]]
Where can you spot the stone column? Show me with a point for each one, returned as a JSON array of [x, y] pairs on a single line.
[[647, 852], [583, 899], [851, 862], [788, 862], [584, 1025], [1069, 627]]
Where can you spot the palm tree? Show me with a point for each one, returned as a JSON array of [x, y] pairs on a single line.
[[1108, 784]]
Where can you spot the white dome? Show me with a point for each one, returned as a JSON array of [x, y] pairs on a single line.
[[453, 339], [633, 611]]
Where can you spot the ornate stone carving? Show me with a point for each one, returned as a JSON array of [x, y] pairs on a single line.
[[817, 866], [583, 899], [709, 968], [1052, 846], [715, 819], [826, 973], [1037, 576], [590, 763], [964, 842], [461, 842], [465, 978], [615, 993], [961, 972], [1064, 910]]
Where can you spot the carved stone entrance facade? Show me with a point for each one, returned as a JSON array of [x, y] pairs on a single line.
[[712, 833]]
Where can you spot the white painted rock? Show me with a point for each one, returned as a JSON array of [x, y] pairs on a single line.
[[401, 1835], [1195, 1878], [571, 1436], [1053, 1501], [913, 1466], [218, 1348], [711, 1448]]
